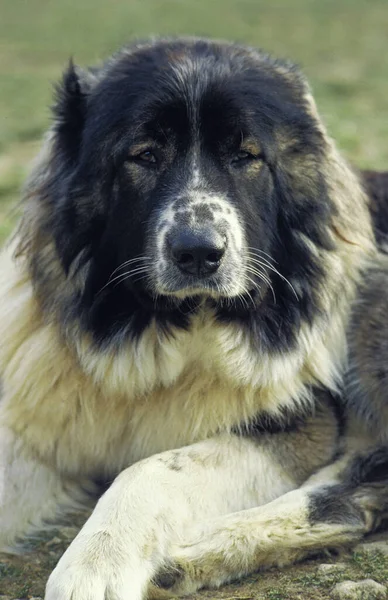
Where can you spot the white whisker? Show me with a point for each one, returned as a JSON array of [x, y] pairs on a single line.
[[257, 250], [122, 276], [262, 262], [136, 279], [128, 262], [266, 281]]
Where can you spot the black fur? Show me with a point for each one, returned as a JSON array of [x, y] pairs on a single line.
[[376, 185], [362, 491], [334, 505], [287, 421], [103, 214], [371, 467]]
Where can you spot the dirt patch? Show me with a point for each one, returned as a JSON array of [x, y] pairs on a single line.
[[23, 577]]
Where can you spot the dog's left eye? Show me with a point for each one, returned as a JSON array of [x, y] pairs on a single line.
[[147, 156], [242, 156]]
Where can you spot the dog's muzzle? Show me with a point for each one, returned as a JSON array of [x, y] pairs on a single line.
[[198, 248]]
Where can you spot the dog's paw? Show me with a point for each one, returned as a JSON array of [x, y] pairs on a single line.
[[182, 576], [77, 583], [197, 565], [96, 568]]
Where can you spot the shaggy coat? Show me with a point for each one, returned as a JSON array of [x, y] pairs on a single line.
[[194, 303]]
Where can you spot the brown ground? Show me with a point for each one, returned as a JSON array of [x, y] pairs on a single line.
[[23, 577]]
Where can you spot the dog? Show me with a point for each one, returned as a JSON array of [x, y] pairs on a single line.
[[193, 310]]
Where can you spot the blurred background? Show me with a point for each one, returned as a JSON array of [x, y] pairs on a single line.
[[342, 46]]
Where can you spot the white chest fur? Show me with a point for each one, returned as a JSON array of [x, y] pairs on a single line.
[[94, 410]]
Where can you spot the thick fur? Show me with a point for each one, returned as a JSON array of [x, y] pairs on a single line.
[[376, 185], [194, 299]]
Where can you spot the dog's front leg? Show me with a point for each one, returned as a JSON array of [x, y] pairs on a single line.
[[154, 506]]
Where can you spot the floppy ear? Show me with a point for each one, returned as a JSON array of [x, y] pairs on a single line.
[[70, 108], [73, 216]]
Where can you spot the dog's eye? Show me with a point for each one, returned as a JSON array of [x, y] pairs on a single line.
[[147, 156], [243, 156]]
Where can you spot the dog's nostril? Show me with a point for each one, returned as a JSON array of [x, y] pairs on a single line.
[[215, 257], [183, 258]]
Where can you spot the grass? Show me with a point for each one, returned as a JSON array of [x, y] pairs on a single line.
[[341, 45], [26, 576]]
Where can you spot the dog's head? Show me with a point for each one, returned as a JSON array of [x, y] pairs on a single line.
[[189, 169]]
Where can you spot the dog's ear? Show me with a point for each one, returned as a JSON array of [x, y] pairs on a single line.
[[70, 108], [72, 222]]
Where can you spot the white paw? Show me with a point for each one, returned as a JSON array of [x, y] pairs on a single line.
[[96, 568], [76, 583]]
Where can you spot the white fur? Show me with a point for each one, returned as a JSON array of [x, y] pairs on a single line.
[[208, 510], [156, 505], [225, 218], [31, 492], [90, 413]]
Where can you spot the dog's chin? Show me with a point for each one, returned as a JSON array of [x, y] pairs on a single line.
[[185, 293], [211, 288]]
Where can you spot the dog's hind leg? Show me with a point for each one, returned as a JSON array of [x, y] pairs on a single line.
[[31, 494], [334, 508]]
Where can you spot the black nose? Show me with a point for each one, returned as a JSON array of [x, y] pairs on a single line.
[[197, 252]]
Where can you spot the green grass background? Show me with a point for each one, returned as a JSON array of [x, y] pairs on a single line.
[[342, 46]]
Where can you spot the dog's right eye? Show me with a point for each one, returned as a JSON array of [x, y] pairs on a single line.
[[145, 157]]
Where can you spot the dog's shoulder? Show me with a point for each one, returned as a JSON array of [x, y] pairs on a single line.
[[367, 377]]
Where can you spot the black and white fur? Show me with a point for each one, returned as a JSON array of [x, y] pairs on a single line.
[[194, 303]]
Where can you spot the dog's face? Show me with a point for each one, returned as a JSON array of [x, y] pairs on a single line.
[[189, 169]]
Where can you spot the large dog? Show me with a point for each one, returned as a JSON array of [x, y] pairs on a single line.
[[193, 298]]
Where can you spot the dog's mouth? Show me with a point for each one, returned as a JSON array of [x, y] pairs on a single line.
[[188, 300], [228, 282], [209, 287]]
